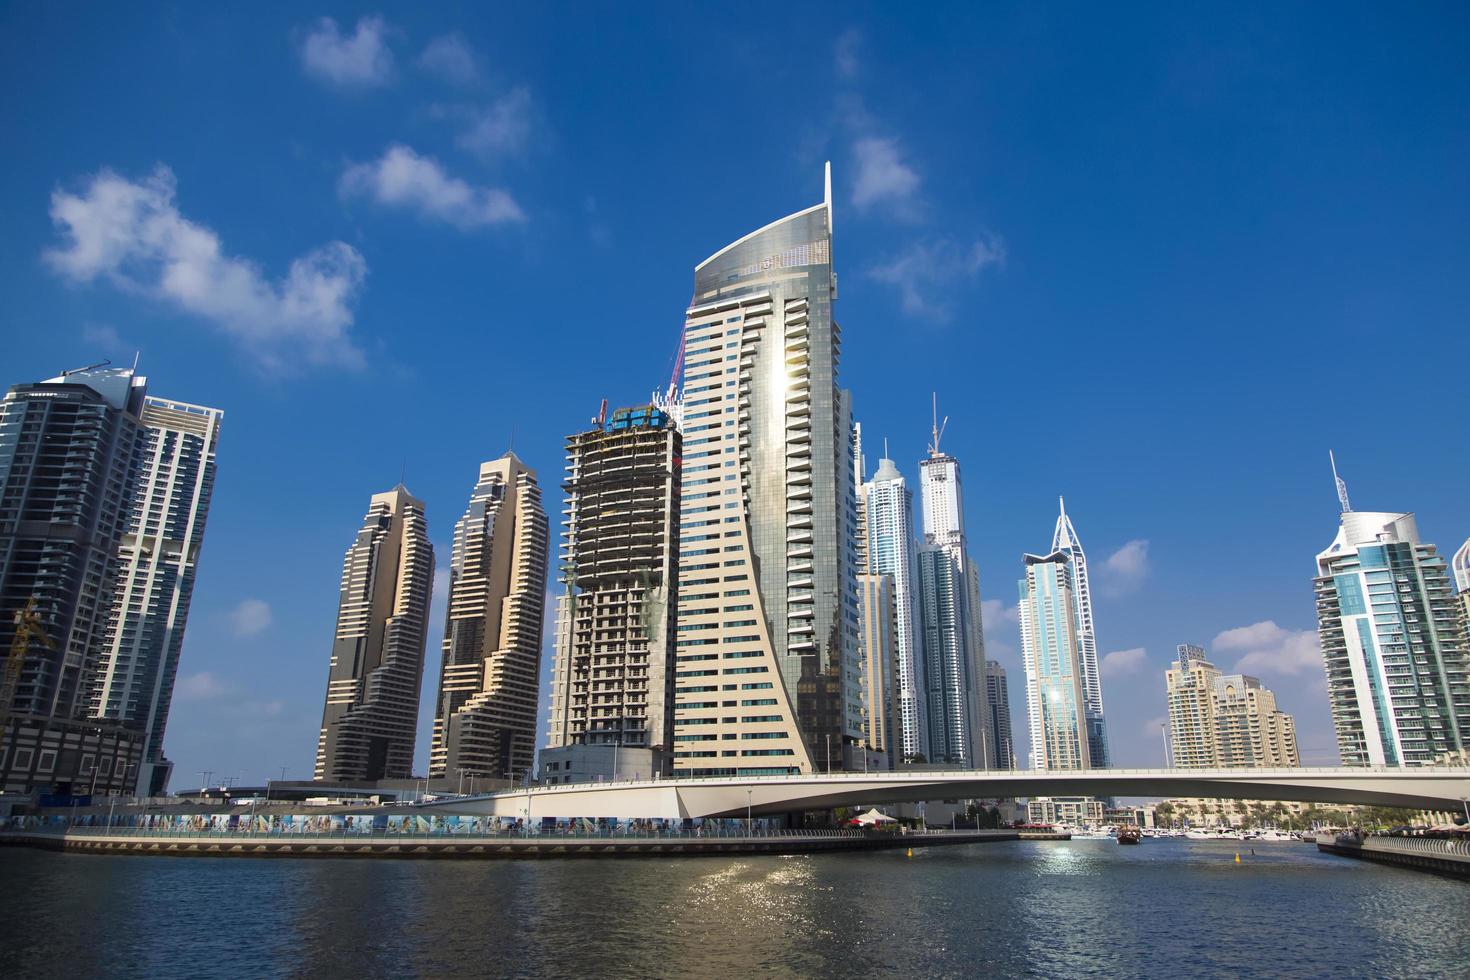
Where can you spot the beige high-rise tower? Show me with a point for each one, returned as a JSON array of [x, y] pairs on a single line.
[[1224, 720], [371, 715], [485, 724]]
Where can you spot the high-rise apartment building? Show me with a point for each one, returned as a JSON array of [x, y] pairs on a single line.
[[485, 721], [878, 641], [1065, 540], [1224, 720], [370, 719], [613, 679], [888, 506], [1395, 652], [158, 557], [1056, 701], [68, 476], [998, 711], [767, 567], [949, 618]]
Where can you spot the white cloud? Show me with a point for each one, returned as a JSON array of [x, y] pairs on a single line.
[[103, 337], [1269, 648], [1123, 661], [362, 60], [846, 53], [1000, 623], [1125, 569], [883, 177], [922, 268], [997, 612], [133, 234], [451, 58], [440, 594], [402, 178], [250, 617], [502, 128], [198, 687]]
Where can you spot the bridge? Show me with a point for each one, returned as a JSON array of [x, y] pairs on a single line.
[[672, 799]]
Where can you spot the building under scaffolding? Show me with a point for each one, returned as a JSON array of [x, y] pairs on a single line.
[[613, 679]]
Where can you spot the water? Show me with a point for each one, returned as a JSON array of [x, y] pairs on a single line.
[[1093, 908]]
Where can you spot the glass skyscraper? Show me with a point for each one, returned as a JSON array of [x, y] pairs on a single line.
[[1065, 540], [1398, 671], [949, 619], [890, 525], [767, 607], [1056, 702]]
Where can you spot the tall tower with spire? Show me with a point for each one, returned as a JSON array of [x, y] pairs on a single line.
[[767, 582], [949, 615], [1064, 540], [1393, 643]]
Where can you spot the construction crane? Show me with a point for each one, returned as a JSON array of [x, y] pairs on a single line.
[[27, 628], [938, 431]]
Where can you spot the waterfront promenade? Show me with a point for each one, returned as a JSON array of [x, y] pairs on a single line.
[[1444, 855], [380, 844]]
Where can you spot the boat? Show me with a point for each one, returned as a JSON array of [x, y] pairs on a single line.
[[1129, 835], [1273, 836]]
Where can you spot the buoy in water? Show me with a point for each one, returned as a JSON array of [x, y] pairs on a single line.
[[1237, 857], [911, 852]]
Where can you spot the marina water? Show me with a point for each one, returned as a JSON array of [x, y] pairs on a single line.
[[1065, 908]]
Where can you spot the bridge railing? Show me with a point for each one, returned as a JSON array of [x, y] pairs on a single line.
[[1432, 846]]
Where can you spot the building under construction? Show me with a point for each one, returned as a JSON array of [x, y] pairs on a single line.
[[612, 689]]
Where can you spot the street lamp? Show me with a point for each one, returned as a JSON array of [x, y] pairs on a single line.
[[1465, 801], [829, 753], [747, 812]]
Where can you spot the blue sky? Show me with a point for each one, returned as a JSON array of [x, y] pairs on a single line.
[[1158, 263]]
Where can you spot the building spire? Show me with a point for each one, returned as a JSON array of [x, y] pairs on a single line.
[[1342, 494], [937, 432], [827, 194]]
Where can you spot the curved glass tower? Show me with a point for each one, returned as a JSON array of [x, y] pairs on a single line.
[[767, 674]]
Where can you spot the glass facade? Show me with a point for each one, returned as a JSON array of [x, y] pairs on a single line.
[[1393, 644], [769, 507], [1055, 699]]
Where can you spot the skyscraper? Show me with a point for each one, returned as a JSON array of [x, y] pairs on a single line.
[[879, 621], [1224, 720], [890, 524], [1065, 540], [998, 707], [614, 674], [485, 722], [1056, 703], [68, 475], [158, 558], [767, 570], [370, 719], [1398, 671], [949, 617]]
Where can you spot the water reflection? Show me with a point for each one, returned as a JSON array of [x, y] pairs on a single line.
[[1053, 908]]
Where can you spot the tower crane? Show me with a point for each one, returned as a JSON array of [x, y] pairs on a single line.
[[27, 628]]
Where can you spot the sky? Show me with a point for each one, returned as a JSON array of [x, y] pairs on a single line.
[[1159, 262]]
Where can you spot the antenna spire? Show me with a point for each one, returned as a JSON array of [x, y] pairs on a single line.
[[938, 429], [1342, 494]]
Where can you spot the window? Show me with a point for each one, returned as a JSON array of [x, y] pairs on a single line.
[[47, 762]]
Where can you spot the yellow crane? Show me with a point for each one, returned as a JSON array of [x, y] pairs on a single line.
[[27, 628]]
